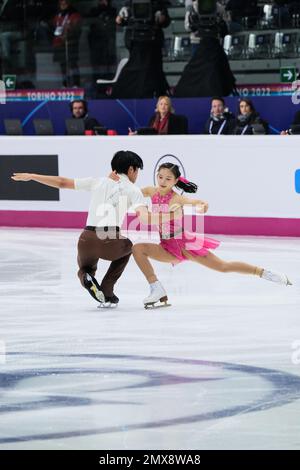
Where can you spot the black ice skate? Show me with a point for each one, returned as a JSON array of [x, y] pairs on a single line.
[[93, 288], [110, 302]]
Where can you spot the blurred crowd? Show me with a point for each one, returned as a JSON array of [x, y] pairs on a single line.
[[28, 27]]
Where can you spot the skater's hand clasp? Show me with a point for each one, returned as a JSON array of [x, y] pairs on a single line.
[[22, 177], [202, 207], [114, 176]]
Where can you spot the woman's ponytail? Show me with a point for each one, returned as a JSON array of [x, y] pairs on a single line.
[[182, 183], [186, 186]]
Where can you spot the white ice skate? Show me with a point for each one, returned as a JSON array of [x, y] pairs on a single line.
[[157, 294], [279, 278]]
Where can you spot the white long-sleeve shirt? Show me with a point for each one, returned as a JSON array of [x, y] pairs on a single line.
[[110, 200]]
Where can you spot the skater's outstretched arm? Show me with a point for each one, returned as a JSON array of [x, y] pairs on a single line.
[[53, 181], [201, 206]]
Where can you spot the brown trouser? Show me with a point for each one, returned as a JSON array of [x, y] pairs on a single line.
[[109, 246]]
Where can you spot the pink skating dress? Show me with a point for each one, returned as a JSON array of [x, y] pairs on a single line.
[[174, 238]]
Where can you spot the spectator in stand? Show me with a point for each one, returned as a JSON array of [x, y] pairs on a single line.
[[243, 14], [281, 14], [221, 121], [247, 117], [294, 8], [79, 110], [296, 122], [66, 34], [165, 121]]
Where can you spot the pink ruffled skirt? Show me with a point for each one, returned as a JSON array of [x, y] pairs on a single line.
[[196, 245]]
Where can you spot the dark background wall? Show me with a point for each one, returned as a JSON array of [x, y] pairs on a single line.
[[29, 191]]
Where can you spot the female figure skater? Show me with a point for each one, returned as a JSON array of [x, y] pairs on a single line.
[[177, 244]]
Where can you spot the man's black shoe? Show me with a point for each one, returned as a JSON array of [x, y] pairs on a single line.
[[110, 302], [113, 299]]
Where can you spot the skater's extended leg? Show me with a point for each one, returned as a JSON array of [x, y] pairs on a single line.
[[86, 267], [118, 251], [93, 246], [143, 251], [113, 273], [213, 262], [87, 260], [86, 274]]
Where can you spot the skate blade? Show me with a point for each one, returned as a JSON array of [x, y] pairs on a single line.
[[100, 296], [163, 303], [107, 305], [97, 293]]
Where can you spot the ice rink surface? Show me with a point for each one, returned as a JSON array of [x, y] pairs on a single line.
[[219, 369]]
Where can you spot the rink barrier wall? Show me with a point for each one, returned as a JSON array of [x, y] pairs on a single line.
[[250, 182], [213, 225]]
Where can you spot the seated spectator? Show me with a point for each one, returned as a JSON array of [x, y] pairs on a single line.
[[164, 121], [243, 14], [294, 7], [221, 121], [247, 116], [281, 14], [79, 110], [296, 122]]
